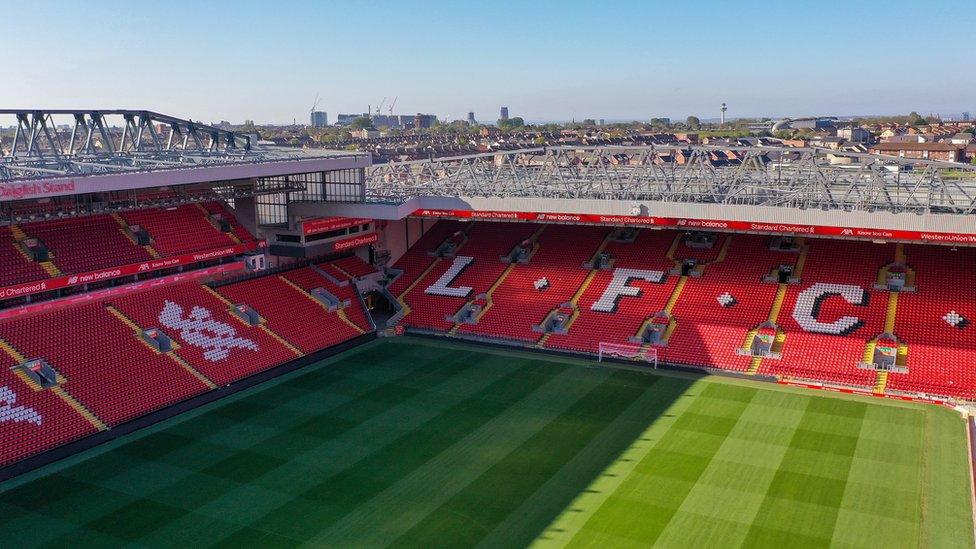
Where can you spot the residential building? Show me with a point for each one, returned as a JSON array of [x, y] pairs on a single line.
[[926, 151], [854, 134], [319, 119]]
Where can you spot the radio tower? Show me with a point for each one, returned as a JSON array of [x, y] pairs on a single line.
[[723, 113]]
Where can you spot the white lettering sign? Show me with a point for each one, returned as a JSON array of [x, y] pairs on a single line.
[[16, 414], [618, 287], [441, 287], [806, 312], [201, 330]]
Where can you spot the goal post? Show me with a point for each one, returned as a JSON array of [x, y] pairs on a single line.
[[629, 351]]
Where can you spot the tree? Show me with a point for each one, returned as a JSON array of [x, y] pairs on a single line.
[[693, 122], [511, 124], [362, 123], [915, 119]]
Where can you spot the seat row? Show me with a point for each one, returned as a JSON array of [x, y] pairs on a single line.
[[826, 320], [80, 245], [108, 371]]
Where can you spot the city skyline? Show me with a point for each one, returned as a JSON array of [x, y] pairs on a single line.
[[546, 61]]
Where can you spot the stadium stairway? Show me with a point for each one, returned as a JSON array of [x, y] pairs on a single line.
[[647, 251], [122, 229], [774, 311], [483, 247], [262, 325], [137, 330], [207, 215], [517, 305], [189, 314]]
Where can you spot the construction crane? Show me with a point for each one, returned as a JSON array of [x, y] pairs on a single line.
[[314, 105], [380, 107], [393, 104]]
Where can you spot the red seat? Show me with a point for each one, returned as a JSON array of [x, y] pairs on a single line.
[[290, 313]]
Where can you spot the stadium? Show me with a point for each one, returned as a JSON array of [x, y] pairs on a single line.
[[204, 341]]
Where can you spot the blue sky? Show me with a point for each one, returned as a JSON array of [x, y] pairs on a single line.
[[545, 60]]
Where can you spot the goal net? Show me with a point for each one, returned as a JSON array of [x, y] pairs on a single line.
[[629, 351]]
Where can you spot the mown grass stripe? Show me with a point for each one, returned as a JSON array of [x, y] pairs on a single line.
[[730, 492], [803, 501], [333, 497], [646, 503], [552, 515], [473, 512], [439, 479]]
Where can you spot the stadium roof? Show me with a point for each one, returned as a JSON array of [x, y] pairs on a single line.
[[44, 144], [796, 178]]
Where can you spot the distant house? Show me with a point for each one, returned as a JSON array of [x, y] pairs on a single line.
[[829, 142], [853, 134], [889, 132], [365, 133], [926, 151], [961, 139]]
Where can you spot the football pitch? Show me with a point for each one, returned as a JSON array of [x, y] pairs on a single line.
[[421, 443]]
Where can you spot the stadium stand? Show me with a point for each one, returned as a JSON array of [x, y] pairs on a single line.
[[87, 244], [108, 373], [708, 332], [290, 312], [418, 258], [831, 349], [105, 364], [181, 230], [516, 303], [81, 245], [353, 267], [941, 347], [17, 268], [648, 251], [486, 243], [307, 279], [820, 303], [237, 229], [212, 339], [32, 420]]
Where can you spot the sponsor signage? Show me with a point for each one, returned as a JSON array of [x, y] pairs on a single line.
[[326, 224], [68, 281], [120, 290], [20, 191], [354, 242], [706, 224]]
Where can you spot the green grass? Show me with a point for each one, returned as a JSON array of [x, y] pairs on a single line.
[[417, 443]]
